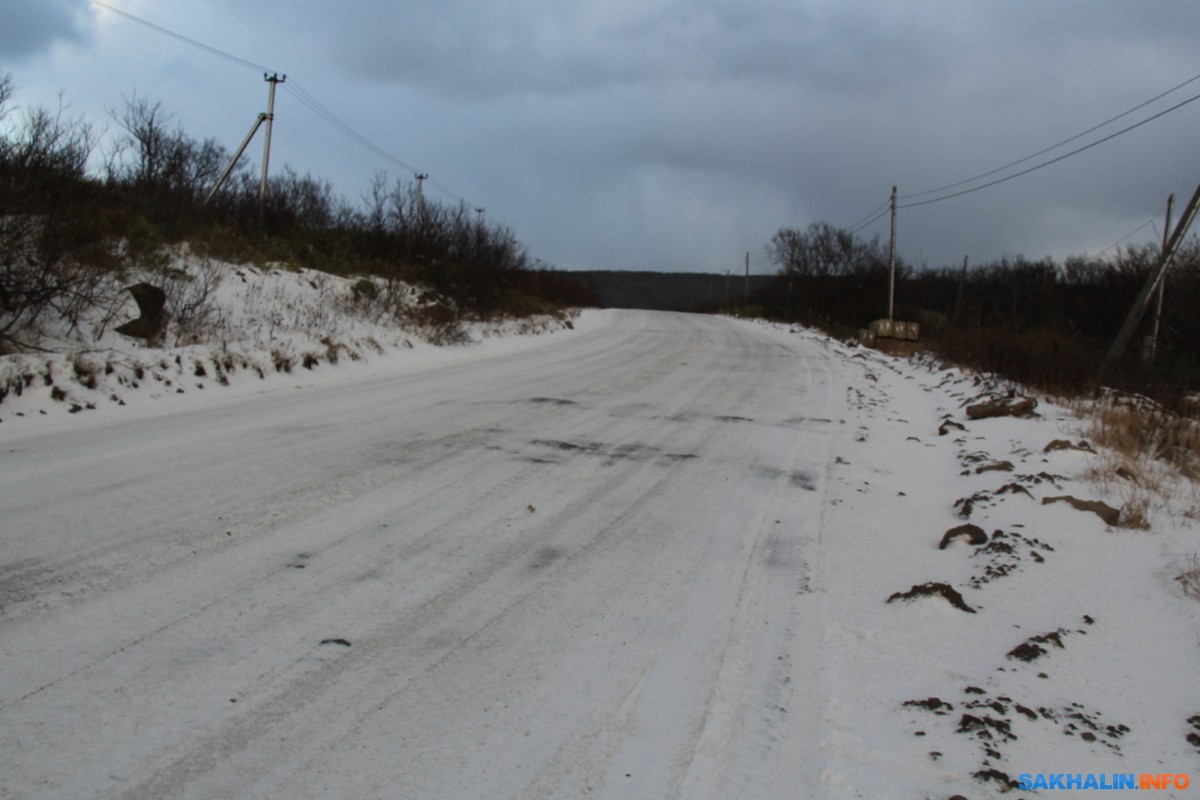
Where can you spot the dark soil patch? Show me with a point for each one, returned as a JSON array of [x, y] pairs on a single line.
[[949, 425], [1063, 444], [1110, 515], [966, 505], [992, 774], [932, 589], [1004, 555], [972, 533], [934, 704]]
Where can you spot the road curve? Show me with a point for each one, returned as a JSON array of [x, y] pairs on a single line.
[[586, 570]]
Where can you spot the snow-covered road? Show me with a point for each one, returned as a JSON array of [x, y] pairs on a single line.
[[580, 570]]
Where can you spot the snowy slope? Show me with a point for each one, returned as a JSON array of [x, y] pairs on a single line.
[[236, 326], [647, 557], [1081, 653]]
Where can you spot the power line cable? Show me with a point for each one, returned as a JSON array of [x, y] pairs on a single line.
[[1147, 224], [886, 210], [312, 104], [241, 62], [1054, 160], [1076, 137], [299, 92], [862, 223]]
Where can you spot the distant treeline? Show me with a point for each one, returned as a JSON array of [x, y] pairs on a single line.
[[1043, 322], [703, 292], [72, 211]]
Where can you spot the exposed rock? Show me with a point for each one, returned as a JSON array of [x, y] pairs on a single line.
[[1110, 515], [996, 466], [1003, 407], [152, 302]]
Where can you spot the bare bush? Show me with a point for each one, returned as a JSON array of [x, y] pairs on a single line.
[[193, 315], [1188, 569]]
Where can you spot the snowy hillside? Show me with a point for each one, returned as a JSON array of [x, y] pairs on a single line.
[[233, 325]]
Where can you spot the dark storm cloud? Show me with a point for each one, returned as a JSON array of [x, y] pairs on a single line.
[[681, 133], [552, 47], [30, 26]]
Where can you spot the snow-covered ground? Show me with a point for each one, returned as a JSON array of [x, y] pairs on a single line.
[[240, 329], [649, 556]]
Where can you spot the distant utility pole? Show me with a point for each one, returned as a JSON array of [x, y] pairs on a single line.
[[1152, 349], [892, 260], [479, 216], [962, 291], [1143, 300], [747, 301], [268, 118], [421, 176]]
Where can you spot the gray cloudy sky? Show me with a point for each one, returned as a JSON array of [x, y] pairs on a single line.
[[676, 134]]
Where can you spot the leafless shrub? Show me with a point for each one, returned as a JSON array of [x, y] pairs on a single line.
[[191, 307], [85, 372], [283, 361], [1188, 570], [440, 325]]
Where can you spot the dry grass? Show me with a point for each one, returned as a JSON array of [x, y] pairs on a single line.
[[1189, 575], [1136, 511], [1139, 430], [1148, 455]]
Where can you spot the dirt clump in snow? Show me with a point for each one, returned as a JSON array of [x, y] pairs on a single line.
[[935, 589], [1110, 515], [972, 533]]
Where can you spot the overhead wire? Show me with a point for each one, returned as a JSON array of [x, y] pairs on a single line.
[[241, 62], [312, 104], [302, 95], [870, 217], [1054, 160], [887, 207], [1147, 224], [1076, 137]]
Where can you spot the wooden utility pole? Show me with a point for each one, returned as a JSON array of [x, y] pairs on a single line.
[[892, 261], [274, 80], [1152, 349], [1143, 300], [421, 176], [268, 117], [962, 292]]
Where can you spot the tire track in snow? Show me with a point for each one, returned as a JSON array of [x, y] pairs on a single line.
[[474, 623]]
